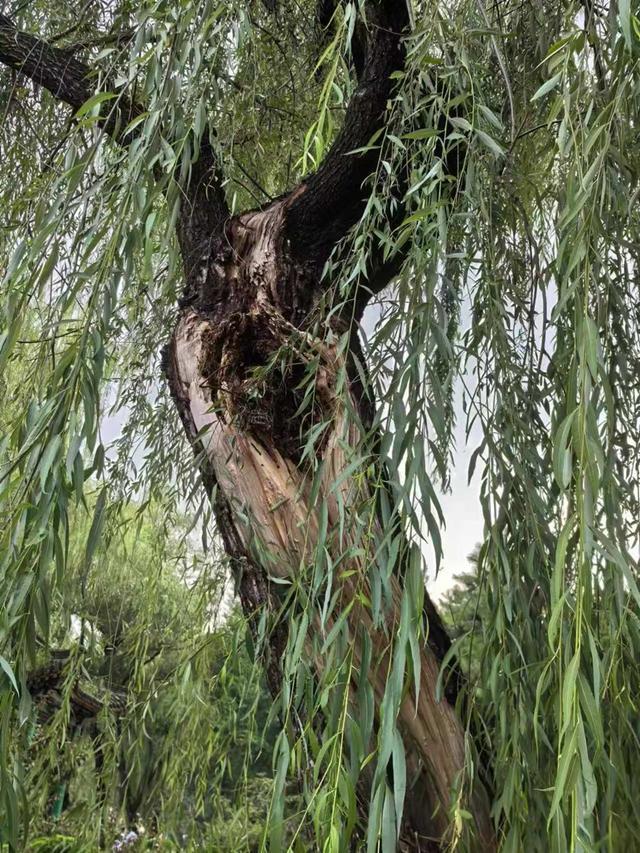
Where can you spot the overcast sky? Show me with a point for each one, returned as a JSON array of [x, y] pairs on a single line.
[[463, 516]]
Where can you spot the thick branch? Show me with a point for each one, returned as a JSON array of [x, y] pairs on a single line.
[[333, 197], [60, 73], [325, 12], [204, 207]]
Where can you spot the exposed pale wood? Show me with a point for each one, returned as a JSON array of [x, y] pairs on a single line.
[[269, 500]]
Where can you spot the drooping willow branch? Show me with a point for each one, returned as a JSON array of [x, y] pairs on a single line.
[[204, 207], [323, 207]]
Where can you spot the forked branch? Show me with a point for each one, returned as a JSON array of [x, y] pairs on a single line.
[[333, 197]]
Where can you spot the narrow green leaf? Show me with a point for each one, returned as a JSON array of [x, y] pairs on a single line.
[[547, 86]]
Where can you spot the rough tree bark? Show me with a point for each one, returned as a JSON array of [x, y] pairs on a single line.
[[253, 283]]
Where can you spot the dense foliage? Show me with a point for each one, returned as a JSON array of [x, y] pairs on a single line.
[[518, 292], [150, 626]]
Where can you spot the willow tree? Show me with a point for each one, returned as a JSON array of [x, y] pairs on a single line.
[[202, 201]]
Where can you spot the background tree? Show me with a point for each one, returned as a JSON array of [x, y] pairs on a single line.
[[143, 660], [481, 165]]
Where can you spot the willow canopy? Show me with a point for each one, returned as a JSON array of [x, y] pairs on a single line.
[[284, 246]]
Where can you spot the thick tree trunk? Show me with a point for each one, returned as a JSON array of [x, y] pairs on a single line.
[[254, 293], [248, 433]]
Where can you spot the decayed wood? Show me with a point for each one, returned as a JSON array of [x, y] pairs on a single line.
[[47, 687]]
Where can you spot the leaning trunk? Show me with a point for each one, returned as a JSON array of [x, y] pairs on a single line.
[[254, 386]]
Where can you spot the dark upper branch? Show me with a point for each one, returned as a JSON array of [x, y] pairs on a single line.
[[325, 15], [204, 206], [333, 197], [57, 70], [203, 213]]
